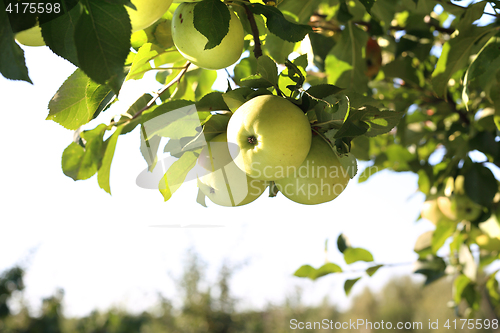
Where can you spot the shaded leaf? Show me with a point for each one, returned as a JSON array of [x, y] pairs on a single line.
[[211, 19], [279, 25], [102, 37], [349, 284]]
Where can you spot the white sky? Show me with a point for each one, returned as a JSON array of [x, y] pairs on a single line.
[[102, 251]]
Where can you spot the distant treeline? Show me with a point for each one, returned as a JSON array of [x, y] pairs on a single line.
[[403, 304]]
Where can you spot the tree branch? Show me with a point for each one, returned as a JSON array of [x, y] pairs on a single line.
[[257, 51], [162, 90]]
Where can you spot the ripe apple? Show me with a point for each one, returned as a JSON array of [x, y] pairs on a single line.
[[221, 180], [191, 43], [458, 207], [31, 36], [147, 13], [373, 58], [320, 178], [455, 204], [431, 212], [273, 136]]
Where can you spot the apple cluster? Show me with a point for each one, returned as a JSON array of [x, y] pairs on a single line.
[[269, 139]]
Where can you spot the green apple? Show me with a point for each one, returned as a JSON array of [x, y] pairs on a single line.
[[191, 43], [147, 13], [455, 204], [320, 178], [431, 212], [273, 136], [31, 36], [221, 180], [458, 207]]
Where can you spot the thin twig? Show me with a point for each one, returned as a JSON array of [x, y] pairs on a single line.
[[257, 51], [162, 90]]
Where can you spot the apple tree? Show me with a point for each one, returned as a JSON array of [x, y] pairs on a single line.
[[408, 85]]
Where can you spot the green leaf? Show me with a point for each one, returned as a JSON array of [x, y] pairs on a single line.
[[103, 174], [279, 25], [349, 284], [305, 271], [149, 149], [328, 268], [245, 68], [268, 70], [455, 52], [138, 105], [235, 98], [12, 62], [349, 163], [321, 91], [302, 9], [321, 46], [213, 101], [177, 123], [480, 184], [102, 37], [278, 48], [205, 80], [459, 285], [423, 244], [176, 173], [493, 290], [368, 4], [433, 268], [98, 97], [76, 101], [141, 62], [342, 243], [370, 120], [80, 162], [345, 64], [372, 270], [444, 230], [354, 254], [59, 33], [211, 19]]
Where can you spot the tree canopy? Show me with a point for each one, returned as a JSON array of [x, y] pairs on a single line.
[[408, 85]]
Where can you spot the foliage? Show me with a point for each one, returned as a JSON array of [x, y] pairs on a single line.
[[432, 108]]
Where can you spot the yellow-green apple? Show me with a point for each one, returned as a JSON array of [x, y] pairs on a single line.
[[191, 43], [273, 136], [147, 13], [31, 36], [458, 207], [320, 178], [431, 212], [455, 204], [221, 180]]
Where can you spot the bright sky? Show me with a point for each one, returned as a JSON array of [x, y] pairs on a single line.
[[102, 250]]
